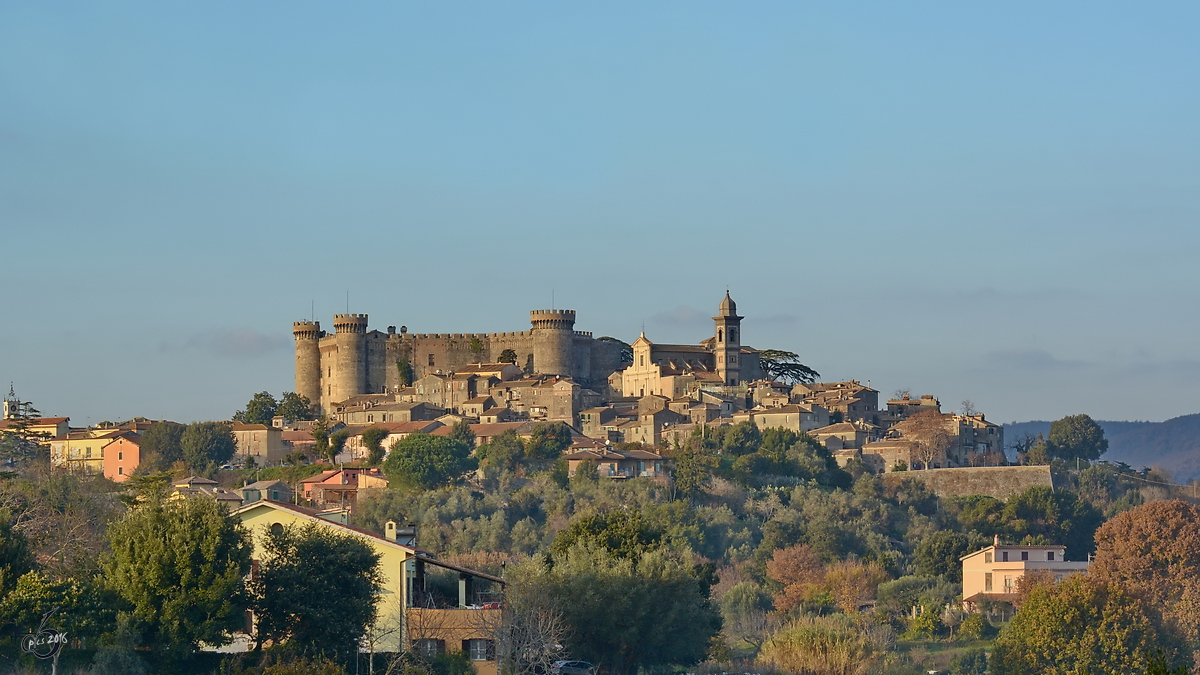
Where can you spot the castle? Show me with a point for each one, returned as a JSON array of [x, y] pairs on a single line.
[[354, 360]]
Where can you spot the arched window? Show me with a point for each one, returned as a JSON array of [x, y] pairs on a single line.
[[720, 335], [733, 335]]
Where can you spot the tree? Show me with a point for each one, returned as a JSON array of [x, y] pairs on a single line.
[[653, 611], [207, 444], [800, 572], [853, 583], [507, 356], [967, 407], [938, 555], [404, 371], [933, 440], [462, 432], [1082, 625], [178, 566], [372, 439], [548, 440], [1021, 445], [15, 557], [293, 406], [532, 627], [337, 443], [320, 434], [622, 533], [785, 367], [1057, 516], [691, 471], [18, 440], [504, 451], [161, 446], [259, 410], [425, 462], [299, 559], [739, 439], [1076, 437], [1153, 552]]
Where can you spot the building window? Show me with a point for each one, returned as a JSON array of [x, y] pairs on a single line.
[[120, 471], [987, 557], [1024, 555], [89, 452], [1008, 584], [120, 456], [1004, 556], [429, 647], [987, 582], [480, 650], [720, 336], [1050, 555], [431, 359]]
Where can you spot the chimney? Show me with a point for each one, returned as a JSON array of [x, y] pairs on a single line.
[[390, 530], [996, 540]]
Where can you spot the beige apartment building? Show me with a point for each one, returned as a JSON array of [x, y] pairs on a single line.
[[992, 572]]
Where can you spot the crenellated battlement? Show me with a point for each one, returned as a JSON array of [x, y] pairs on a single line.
[[350, 323], [552, 319], [307, 330]]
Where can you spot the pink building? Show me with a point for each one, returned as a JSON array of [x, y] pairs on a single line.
[[992, 572]]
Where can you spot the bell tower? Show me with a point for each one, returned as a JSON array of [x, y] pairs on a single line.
[[728, 345]]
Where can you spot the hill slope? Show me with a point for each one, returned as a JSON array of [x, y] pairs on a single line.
[[1173, 445]]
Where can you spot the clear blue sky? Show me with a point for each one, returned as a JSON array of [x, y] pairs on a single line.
[[975, 200]]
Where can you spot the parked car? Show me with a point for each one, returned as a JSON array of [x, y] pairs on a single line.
[[573, 668]]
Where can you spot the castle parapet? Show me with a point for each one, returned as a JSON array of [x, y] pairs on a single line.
[[306, 330], [553, 319], [350, 323]]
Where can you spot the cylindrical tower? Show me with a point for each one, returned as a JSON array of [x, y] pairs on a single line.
[[350, 365], [553, 339], [308, 359]]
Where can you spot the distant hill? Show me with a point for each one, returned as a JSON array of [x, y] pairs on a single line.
[[1173, 445]]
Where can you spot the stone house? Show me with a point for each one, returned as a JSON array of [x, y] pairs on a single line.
[[611, 463], [262, 442], [275, 490], [797, 417]]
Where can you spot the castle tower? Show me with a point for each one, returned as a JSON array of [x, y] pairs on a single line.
[[308, 359], [728, 345], [350, 360], [553, 340]]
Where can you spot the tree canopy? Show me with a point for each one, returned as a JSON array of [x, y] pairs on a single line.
[[1153, 552], [207, 444], [259, 410], [179, 567], [161, 446], [785, 366], [654, 610], [1082, 625], [423, 461], [299, 559], [1076, 437]]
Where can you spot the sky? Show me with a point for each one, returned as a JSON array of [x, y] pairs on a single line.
[[986, 201]]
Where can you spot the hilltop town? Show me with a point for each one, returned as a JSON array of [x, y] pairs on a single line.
[[485, 482]]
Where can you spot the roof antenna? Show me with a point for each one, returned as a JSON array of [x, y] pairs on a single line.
[[347, 302], [551, 299]]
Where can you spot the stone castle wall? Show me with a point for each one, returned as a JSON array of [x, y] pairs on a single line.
[[331, 368], [1000, 482]]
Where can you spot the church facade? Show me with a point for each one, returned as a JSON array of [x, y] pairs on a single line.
[[721, 361]]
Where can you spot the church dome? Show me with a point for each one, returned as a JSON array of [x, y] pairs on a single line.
[[728, 307]]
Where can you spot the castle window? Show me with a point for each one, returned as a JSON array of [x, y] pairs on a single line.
[[431, 359]]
